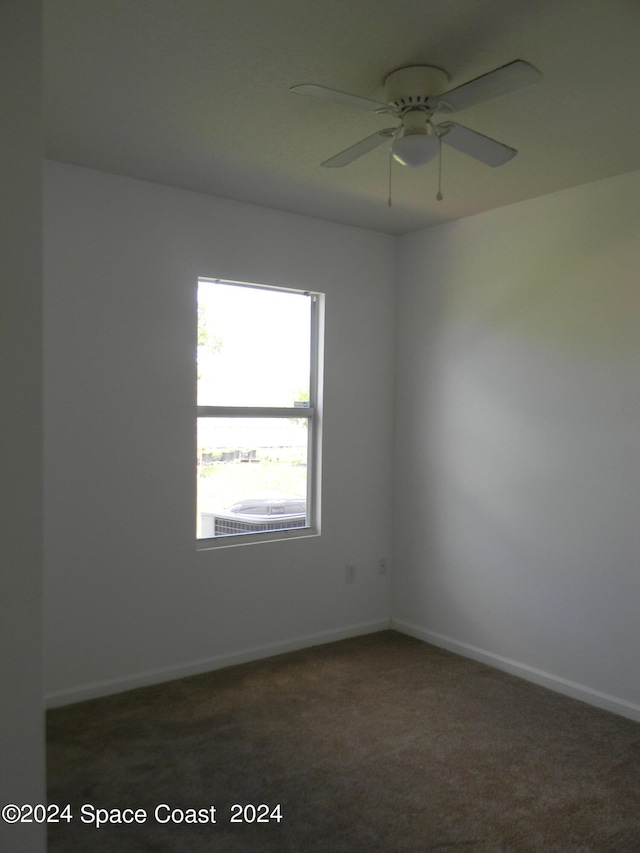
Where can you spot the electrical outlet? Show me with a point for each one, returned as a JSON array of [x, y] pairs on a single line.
[[350, 574], [382, 565]]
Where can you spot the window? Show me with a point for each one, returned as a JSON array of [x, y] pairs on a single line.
[[258, 415]]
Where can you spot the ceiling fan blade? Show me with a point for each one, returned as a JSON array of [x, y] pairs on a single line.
[[474, 144], [341, 97], [363, 147], [507, 78]]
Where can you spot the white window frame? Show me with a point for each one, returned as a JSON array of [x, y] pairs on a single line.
[[310, 412]]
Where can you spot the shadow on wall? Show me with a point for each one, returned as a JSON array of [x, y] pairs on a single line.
[[521, 460]]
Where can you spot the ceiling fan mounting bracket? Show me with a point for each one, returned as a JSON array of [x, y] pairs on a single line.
[[414, 85]]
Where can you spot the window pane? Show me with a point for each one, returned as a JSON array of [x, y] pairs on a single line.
[[252, 475], [253, 346]]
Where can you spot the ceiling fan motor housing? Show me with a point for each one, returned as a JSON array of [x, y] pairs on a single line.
[[412, 87]]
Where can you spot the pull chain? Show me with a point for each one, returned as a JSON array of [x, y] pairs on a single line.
[[439, 197], [390, 171]]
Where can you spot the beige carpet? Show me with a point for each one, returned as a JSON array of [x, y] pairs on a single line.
[[380, 743]]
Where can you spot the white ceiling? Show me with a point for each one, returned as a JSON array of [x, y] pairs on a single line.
[[195, 94]]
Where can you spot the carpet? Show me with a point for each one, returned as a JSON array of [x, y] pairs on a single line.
[[378, 743]]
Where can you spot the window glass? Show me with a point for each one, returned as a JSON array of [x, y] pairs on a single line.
[[253, 346], [257, 429], [251, 467]]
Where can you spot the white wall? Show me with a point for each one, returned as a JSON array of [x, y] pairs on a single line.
[[128, 598], [518, 439], [22, 777], [517, 412]]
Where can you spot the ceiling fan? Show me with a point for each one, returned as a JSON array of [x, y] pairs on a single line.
[[415, 95]]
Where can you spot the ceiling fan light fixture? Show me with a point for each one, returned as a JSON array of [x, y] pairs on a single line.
[[415, 148]]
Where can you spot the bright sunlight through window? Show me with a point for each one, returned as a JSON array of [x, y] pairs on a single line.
[[258, 421]]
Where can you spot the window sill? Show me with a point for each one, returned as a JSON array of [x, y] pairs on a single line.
[[213, 543]]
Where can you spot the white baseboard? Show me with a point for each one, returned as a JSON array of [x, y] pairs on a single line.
[[95, 689], [529, 673]]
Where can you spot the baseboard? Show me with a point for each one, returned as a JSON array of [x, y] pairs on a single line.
[[96, 689], [529, 673]]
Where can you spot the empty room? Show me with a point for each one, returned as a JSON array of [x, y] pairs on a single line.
[[321, 457]]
